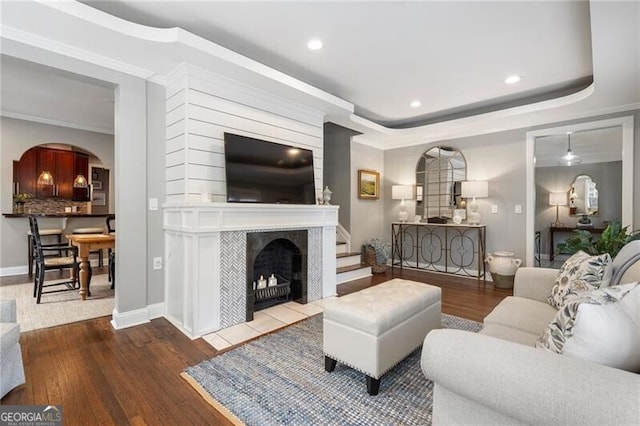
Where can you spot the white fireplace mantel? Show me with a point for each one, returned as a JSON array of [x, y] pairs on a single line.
[[205, 271], [216, 217]]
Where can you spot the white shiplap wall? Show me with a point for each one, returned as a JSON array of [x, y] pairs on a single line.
[[201, 106]]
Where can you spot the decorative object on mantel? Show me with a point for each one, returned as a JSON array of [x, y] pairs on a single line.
[[368, 184], [503, 266], [474, 189], [402, 192], [557, 199], [326, 196]]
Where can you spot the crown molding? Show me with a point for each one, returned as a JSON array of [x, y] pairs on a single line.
[[73, 52], [52, 122]]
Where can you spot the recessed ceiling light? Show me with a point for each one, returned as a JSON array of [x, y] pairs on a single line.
[[415, 104], [315, 44], [512, 79]]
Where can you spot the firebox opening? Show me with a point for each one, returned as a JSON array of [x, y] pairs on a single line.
[[283, 255]]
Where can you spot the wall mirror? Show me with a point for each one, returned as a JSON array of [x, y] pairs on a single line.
[[583, 196], [439, 173]]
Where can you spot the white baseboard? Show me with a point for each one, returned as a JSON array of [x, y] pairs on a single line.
[[13, 270], [10, 271], [137, 317], [156, 310]]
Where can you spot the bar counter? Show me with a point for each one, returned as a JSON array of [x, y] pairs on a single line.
[[61, 214]]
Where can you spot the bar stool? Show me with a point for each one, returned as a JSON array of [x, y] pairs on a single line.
[[31, 247], [91, 231]]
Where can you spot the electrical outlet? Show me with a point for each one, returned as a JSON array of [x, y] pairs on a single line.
[[153, 204], [157, 263], [494, 208], [517, 209]]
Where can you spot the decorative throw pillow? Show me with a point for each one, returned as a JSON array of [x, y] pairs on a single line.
[[602, 326], [579, 273]]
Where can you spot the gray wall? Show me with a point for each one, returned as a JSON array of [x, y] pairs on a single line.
[[130, 165], [608, 178], [155, 188], [498, 158], [337, 169], [367, 216]]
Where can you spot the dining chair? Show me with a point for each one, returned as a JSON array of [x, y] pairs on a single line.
[[111, 228], [44, 262]]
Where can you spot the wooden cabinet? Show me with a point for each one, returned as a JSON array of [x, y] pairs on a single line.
[[64, 166], [24, 174], [81, 166]]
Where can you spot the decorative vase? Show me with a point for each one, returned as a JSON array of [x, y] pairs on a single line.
[[503, 266], [19, 207], [326, 196]]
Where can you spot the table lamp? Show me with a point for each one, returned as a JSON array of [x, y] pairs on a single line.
[[474, 189], [402, 192], [557, 199]]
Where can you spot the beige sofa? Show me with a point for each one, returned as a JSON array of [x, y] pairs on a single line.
[[498, 377], [11, 368]]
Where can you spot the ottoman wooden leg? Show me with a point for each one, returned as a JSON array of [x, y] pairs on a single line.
[[329, 364], [373, 385]]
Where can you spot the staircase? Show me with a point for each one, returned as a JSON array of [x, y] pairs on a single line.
[[349, 265]]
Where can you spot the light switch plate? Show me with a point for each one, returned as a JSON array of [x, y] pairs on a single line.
[[494, 208], [157, 263], [153, 204], [517, 209]]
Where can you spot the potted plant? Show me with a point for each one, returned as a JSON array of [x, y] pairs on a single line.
[[19, 200], [611, 241]]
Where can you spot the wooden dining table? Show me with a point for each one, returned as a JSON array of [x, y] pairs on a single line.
[[87, 243]]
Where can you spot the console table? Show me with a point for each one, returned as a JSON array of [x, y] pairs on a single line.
[[565, 229], [447, 248]]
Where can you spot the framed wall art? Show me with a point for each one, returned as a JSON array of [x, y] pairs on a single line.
[[368, 184]]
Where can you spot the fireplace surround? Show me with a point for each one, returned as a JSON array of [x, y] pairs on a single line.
[[206, 273]]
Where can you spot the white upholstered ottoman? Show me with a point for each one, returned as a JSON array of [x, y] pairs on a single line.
[[374, 329]]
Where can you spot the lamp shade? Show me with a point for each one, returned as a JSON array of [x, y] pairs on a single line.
[[475, 189], [80, 181], [557, 198], [45, 178], [402, 192]]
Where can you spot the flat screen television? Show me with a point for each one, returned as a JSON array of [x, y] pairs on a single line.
[[258, 171]]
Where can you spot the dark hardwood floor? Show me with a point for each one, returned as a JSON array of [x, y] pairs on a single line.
[[132, 376]]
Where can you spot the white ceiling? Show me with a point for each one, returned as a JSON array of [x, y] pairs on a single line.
[[591, 146], [377, 58], [381, 56]]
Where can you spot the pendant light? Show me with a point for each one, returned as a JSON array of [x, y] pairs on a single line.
[[45, 178], [80, 181], [570, 159]]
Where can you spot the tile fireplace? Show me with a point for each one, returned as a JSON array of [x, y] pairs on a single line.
[[213, 256]]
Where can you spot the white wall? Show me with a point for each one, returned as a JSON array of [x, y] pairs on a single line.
[[201, 106], [367, 216], [16, 137]]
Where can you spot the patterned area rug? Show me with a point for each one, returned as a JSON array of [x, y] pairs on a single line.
[[279, 379], [59, 308]]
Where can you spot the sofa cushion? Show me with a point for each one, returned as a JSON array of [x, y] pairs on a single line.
[[522, 314], [511, 334], [625, 261], [580, 272], [602, 326]]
